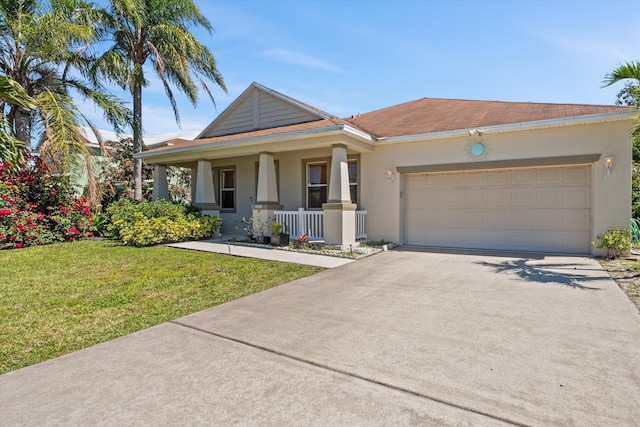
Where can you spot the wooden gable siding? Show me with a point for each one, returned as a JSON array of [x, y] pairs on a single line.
[[259, 110]]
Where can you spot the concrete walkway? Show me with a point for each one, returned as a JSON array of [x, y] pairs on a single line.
[[270, 254], [405, 337]]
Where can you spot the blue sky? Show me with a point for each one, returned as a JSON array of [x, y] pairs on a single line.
[[353, 56]]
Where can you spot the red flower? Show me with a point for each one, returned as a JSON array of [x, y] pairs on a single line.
[[40, 217], [64, 210], [18, 245], [73, 230], [5, 212], [5, 197]]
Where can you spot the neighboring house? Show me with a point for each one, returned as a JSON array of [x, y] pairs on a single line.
[[79, 178], [433, 172]]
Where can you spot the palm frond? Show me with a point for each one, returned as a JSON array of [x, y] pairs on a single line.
[[628, 70]]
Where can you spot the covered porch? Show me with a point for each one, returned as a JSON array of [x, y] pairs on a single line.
[[313, 191]]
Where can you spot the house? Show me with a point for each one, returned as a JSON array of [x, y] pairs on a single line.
[[434, 172], [79, 176]]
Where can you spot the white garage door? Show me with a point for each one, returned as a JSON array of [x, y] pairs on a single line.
[[530, 209]]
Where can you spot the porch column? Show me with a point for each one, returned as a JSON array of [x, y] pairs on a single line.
[[267, 200], [205, 196], [339, 212], [194, 177], [160, 183]]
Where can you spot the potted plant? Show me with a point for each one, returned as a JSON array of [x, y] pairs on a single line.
[[301, 241], [248, 227], [279, 234], [259, 227]]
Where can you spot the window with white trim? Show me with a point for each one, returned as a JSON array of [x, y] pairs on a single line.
[[227, 189], [353, 180], [317, 185]]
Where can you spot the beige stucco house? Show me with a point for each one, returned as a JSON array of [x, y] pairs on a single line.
[[433, 172]]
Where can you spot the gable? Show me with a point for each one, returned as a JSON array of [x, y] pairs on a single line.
[[259, 108]]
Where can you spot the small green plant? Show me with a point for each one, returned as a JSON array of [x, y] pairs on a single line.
[[277, 229], [617, 242], [100, 225]]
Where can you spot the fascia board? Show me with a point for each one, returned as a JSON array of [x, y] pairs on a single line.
[[262, 140], [515, 127]]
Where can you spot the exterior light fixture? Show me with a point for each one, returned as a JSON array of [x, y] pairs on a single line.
[[608, 165], [390, 176]]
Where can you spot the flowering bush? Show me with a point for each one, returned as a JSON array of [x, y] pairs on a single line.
[[38, 208], [150, 223]]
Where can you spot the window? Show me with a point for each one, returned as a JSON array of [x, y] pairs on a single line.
[[316, 185], [227, 189], [353, 180]]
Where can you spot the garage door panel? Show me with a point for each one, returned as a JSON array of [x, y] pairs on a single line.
[[499, 219], [523, 197], [498, 178], [548, 219], [577, 175], [475, 218], [454, 180], [499, 198], [523, 177], [550, 196], [549, 176], [577, 197], [455, 198], [476, 179], [575, 241], [576, 220], [542, 209], [476, 198]]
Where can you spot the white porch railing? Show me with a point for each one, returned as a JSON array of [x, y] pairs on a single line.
[[312, 222], [361, 229]]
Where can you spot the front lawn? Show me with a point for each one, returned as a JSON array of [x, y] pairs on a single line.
[[60, 298], [626, 274]]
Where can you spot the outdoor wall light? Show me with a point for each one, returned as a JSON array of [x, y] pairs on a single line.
[[608, 165], [390, 176], [472, 132]]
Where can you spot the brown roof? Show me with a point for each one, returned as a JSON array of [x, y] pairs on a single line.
[[422, 116], [281, 130], [428, 115]]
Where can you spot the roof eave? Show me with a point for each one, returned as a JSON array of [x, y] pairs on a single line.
[[515, 127], [261, 140]]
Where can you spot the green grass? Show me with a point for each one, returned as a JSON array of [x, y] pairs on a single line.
[[60, 298], [626, 273]]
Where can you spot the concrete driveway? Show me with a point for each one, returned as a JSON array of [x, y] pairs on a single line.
[[406, 337]]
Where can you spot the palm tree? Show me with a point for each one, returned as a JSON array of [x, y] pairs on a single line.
[[158, 32], [40, 46], [11, 148], [629, 70]]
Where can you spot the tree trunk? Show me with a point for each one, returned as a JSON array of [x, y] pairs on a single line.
[[137, 139], [22, 125]]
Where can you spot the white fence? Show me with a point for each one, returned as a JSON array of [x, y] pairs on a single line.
[[361, 229], [312, 222]]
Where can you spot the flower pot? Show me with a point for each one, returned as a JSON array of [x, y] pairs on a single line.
[[280, 240]]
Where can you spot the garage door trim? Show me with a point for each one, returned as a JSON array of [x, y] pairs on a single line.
[[502, 164]]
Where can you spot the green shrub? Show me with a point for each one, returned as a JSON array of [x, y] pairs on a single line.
[[617, 242], [150, 223]]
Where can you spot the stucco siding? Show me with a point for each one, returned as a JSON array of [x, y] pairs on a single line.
[[611, 194]]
